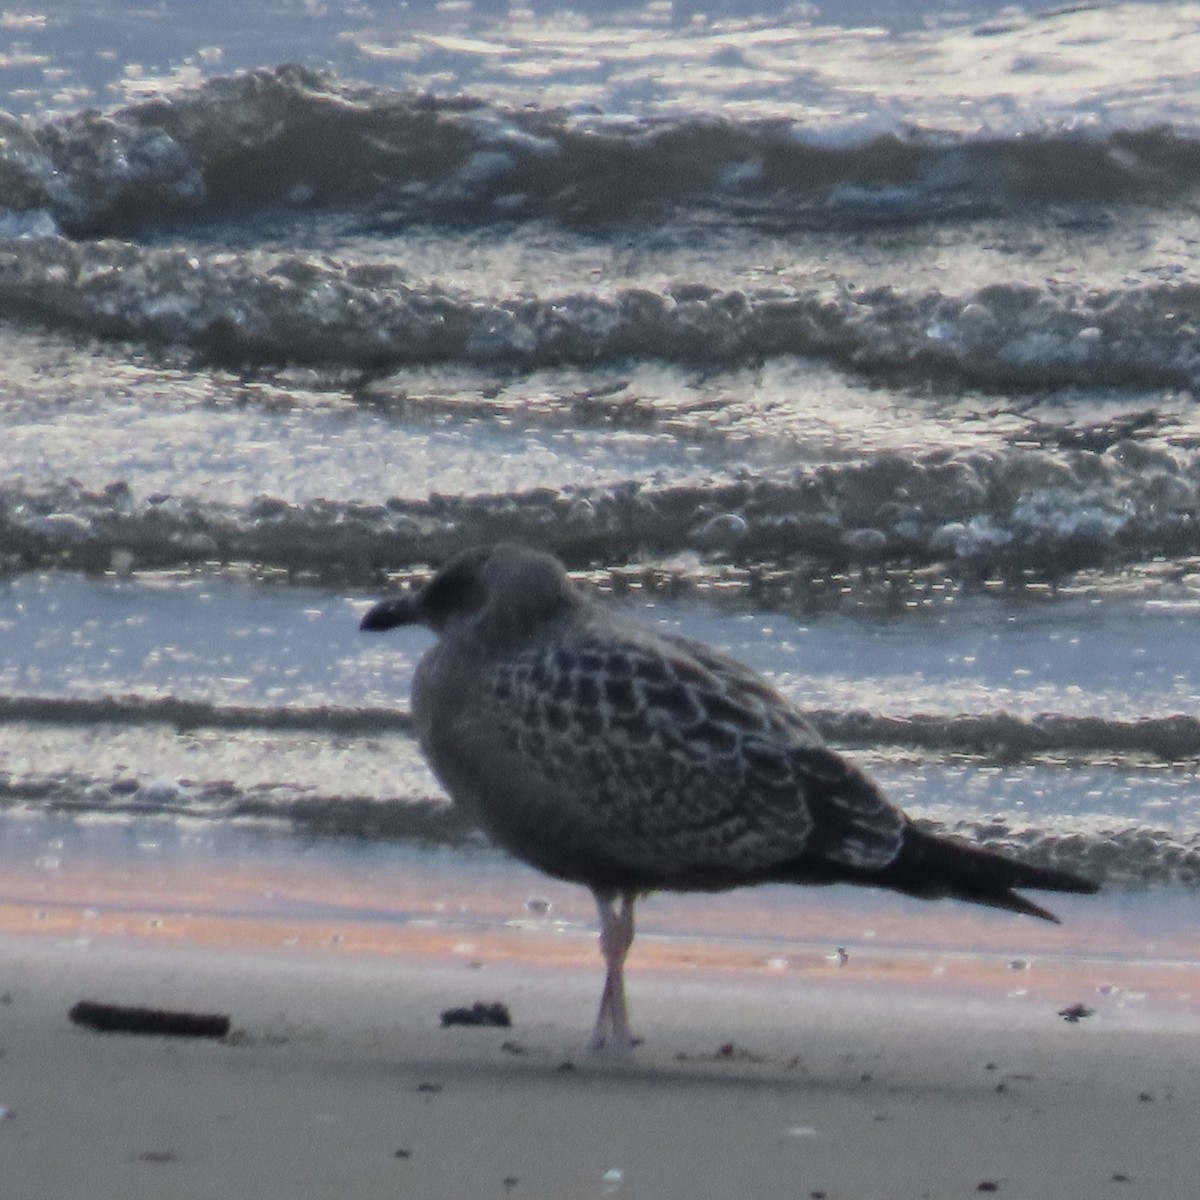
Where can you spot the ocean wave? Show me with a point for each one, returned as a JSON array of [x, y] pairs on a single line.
[[198, 714], [1109, 852], [299, 810], [302, 141], [394, 803], [977, 515], [995, 737], [259, 308]]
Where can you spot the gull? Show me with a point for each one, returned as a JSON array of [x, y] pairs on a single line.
[[630, 760]]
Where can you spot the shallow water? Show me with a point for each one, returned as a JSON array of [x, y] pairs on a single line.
[[237, 700], [224, 641]]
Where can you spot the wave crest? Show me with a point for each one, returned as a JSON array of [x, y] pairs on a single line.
[[299, 139]]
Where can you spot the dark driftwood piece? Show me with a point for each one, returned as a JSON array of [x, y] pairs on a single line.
[[120, 1018]]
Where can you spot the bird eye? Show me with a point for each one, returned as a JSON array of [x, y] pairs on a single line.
[[454, 593]]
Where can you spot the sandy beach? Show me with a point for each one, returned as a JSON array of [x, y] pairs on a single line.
[[930, 1064]]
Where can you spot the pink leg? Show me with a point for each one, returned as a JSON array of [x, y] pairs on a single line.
[[612, 1030]]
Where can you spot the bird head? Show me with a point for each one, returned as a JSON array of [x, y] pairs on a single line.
[[512, 589]]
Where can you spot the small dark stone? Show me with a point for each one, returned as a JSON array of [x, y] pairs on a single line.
[[1120, 1177], [403, 1153], [1075, 1013], [431, 1088], [157, 1156], [1146, 1097], [566, 1065], [479, 1013], [988, 1185]]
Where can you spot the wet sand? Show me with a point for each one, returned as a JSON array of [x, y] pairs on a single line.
[[933, 1062]]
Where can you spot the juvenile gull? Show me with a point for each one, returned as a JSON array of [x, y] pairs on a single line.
[[632, 761]]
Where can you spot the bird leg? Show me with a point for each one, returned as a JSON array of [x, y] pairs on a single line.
[[616, 936]]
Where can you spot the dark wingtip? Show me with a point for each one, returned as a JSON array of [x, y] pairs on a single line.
[[935, 867], [1017, 903], [387, 614]]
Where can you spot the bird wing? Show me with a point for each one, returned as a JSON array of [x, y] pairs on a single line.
[[679, 760]]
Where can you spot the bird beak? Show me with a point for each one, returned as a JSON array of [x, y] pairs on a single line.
[[387, 614]]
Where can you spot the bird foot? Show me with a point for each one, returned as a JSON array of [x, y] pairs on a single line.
[[615, 1042]]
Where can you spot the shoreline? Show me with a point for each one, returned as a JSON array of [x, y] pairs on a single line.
[[150, 883], [932, 1063]]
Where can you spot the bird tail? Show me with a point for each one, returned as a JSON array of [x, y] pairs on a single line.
[[934, 867]]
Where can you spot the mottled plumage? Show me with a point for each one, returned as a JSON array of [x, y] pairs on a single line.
[[631, 760]]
